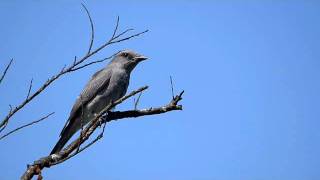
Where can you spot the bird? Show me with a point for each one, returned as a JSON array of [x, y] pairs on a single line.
[[105, 86]]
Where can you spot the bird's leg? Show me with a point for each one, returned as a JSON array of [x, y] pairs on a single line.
[[104, 116]]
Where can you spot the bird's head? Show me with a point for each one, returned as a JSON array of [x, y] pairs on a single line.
[[128, 59]]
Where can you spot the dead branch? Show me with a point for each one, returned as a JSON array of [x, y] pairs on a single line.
[[29, 90], [136, 102], [92, 28], [76, 65], [172, 91], [94, 62], [26, 125], [102, 118], [6, 70]]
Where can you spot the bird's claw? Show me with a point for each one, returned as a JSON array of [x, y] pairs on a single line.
[[100, 122]]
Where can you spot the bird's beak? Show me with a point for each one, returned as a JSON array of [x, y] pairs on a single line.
[[140, 58]]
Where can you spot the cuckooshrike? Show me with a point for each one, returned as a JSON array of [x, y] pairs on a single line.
[[106, 85]]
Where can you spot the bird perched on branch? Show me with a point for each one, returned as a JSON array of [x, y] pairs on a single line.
[[106, 86]]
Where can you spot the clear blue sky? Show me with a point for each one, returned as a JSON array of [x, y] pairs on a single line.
[[250, 70]]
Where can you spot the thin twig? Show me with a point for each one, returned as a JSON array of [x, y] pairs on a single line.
[[10, 106], [4, 125], [26, 125], [6, 70], [137, 101], [111, 41], [75, 60], [29, 90], [172, 93], [127, 38], [62, 69], [116, 28], [124, 32], [93, 62], [92, 28]]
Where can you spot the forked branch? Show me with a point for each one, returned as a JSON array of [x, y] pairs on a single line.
[[77, 64], [103, 117]]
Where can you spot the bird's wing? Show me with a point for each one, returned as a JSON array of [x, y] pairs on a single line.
[[97, 82]]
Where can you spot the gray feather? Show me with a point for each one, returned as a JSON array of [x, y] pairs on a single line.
[[105, 86], [98, 81]]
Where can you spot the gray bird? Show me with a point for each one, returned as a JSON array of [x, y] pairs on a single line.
[[106, 85]]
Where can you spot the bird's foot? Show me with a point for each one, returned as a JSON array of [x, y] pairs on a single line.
[[55, 157], [100, 122]]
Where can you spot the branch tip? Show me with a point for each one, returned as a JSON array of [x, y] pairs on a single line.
[[92, 28], [26, 125], [6, 70]]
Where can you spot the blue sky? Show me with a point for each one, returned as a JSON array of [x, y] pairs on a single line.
[[250, 71]]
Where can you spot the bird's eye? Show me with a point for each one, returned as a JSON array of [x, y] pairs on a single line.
[[125, 54]]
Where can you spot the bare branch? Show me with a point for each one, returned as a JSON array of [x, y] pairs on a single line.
[[74, 60], [127, 38], [116, 28], [92, 28], [76, 65], [29, 90], [4, 125], [66, 153], [173, 105], [137, 101], [6, 70], [124, 32], [10, 106], [62, 69], [111, 41], [93, 62], [26, 125], [172, 93]]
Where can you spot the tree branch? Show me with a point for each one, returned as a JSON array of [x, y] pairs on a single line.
[[6, 70], [92, 28], [116, 28], [93, 62], [30, 87], [172, 91], [67, 152], [26, 125], [127, 38], [136, 102], [76, 65]]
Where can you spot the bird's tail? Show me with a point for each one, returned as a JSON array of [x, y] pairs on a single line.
[[62, 141], [65, 135]]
